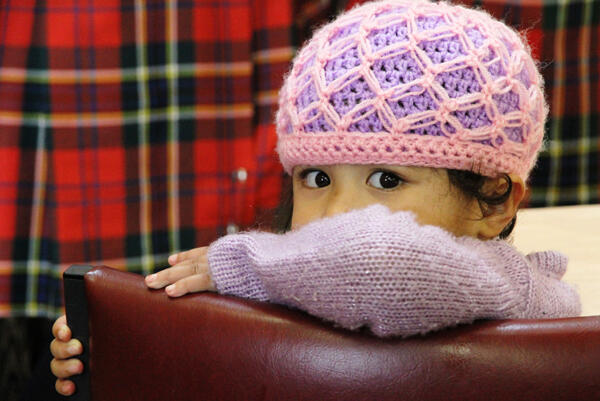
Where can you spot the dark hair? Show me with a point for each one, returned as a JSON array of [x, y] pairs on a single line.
[[469, 183], [282, 220]]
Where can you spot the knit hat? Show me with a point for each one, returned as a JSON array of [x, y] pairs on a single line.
[[409, 82]]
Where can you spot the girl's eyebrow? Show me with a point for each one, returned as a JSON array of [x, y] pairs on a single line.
[[300, 169], [406, 173], [398, 169]]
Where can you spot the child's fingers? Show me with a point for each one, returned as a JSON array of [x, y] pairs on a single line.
[[63, 369], [64, 387], [64, 350], [175, 273], [195, 283], [60, 330], [187, 255]]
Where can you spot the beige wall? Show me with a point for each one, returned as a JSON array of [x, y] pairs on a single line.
[[574, 231]]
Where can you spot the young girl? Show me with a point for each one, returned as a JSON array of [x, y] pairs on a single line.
[[409, 130]]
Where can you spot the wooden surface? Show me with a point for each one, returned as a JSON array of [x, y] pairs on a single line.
[[574, 231]]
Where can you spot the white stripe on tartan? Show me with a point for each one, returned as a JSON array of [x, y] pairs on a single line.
[[558, 105], [110, 119], [585, 106], [37, 217], [143, 125], [279, 54], [571, 147], [117, 76], [9, 267], [173, 128]]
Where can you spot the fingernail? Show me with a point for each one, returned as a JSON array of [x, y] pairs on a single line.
[[62, 332], [172, 259], [170, 289], [65, 388], [151, 278], [73, 349], [75, 368]]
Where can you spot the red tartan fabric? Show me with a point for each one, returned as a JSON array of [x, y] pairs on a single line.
[[131, 130]]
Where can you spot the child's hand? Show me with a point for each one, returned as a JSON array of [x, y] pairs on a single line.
[[189, 273], [63, 348]]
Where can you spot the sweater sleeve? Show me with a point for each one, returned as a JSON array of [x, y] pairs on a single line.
[[383, 270]]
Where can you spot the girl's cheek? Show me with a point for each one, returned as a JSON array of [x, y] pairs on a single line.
[[297, 221], [302, 216]]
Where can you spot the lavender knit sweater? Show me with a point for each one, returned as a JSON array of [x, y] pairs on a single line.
[[383, 270]]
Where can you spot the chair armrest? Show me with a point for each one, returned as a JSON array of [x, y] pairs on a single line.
[[77, 319]]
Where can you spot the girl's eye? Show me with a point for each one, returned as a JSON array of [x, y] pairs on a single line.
[[316, 179], [384, 180]]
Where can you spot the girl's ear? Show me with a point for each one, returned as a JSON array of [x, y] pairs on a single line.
[[498, 216]]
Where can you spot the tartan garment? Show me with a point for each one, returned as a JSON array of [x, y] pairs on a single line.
[[126, 129], [565, 38], [130, 130]]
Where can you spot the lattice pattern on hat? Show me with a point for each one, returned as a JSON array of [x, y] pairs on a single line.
[[403, 68]]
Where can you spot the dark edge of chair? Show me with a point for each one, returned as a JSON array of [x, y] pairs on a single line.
[[77, 318]]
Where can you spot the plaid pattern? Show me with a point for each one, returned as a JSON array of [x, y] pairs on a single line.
[[124, 126], [564, 37], [130, 130]]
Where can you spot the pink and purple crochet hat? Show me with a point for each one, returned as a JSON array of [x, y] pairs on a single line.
[[413, 83]]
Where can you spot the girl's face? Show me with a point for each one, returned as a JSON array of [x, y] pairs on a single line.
[[321, 191]]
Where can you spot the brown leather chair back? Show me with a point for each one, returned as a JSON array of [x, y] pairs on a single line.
[[145, 346]]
